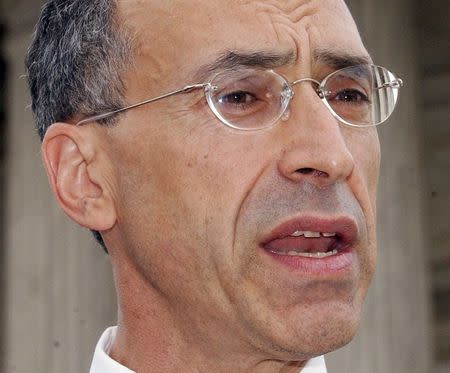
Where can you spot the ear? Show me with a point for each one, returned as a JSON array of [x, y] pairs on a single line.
[[76, 176]]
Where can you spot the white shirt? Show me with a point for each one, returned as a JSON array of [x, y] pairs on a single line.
[[102, 363]]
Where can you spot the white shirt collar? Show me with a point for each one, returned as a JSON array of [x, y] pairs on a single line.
[[102, 363]]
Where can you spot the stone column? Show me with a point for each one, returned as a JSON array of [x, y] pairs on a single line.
[[58, 288]]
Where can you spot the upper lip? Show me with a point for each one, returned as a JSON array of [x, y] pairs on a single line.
[[345, 228]]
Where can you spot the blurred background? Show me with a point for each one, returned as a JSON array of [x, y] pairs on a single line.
[[56, 288]]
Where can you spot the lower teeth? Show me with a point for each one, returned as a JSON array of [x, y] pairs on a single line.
[[308, 255]]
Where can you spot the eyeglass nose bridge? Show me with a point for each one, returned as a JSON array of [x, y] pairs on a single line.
[[320, 92]]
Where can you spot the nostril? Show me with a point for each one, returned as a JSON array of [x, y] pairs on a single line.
[[312, 171], [305, 171]]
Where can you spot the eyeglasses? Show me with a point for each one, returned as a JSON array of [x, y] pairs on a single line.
[[253, 99]]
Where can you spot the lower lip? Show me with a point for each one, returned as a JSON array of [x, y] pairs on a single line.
[[336, 264]]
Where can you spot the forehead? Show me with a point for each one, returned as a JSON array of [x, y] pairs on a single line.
[[175, 36]]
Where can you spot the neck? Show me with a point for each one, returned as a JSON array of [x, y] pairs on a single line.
[[152, 337]]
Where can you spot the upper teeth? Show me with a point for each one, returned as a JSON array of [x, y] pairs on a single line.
[[305, 254], [310, 234]]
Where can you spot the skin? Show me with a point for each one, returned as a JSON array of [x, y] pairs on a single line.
[[182, 201]]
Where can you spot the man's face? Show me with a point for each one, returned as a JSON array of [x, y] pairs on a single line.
[[210, 215]]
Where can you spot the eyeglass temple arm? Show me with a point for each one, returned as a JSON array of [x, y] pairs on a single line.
[[98, 117], [396, 83]]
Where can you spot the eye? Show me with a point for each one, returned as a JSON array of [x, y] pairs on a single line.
[[350, 96], [237, 98], [246, 98]]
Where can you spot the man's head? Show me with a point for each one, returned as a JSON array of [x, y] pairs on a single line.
[[211, 229]]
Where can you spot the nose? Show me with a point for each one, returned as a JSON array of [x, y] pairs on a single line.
[[314, 147]]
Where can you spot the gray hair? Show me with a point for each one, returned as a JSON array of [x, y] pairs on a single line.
[[75, 61]]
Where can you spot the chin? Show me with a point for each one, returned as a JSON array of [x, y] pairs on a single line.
[[314, 333]]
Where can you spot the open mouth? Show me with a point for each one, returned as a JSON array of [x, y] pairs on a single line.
[[308, 244], [312, 238]]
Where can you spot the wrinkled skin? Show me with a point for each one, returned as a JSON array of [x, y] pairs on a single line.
[[192, 197]]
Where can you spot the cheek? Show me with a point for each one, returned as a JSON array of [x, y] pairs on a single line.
[[190, 182], [371, 163], [364, 146], [218, 175], [366, 151]]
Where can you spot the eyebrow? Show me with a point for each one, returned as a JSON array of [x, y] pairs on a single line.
[[269, 59], [340, 60], [233, 59]]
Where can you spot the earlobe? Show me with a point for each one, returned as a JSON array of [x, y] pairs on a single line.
[[69, 156]]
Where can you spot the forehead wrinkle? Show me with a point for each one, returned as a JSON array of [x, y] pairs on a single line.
[[300, 12], [286, 6], [294, 10], [280, 33]]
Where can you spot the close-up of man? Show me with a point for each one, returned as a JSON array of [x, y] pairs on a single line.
[[226, 157]]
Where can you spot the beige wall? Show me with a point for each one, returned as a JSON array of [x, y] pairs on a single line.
[[59, 292]]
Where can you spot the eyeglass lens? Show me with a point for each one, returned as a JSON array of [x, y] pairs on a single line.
[[253, 99]]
